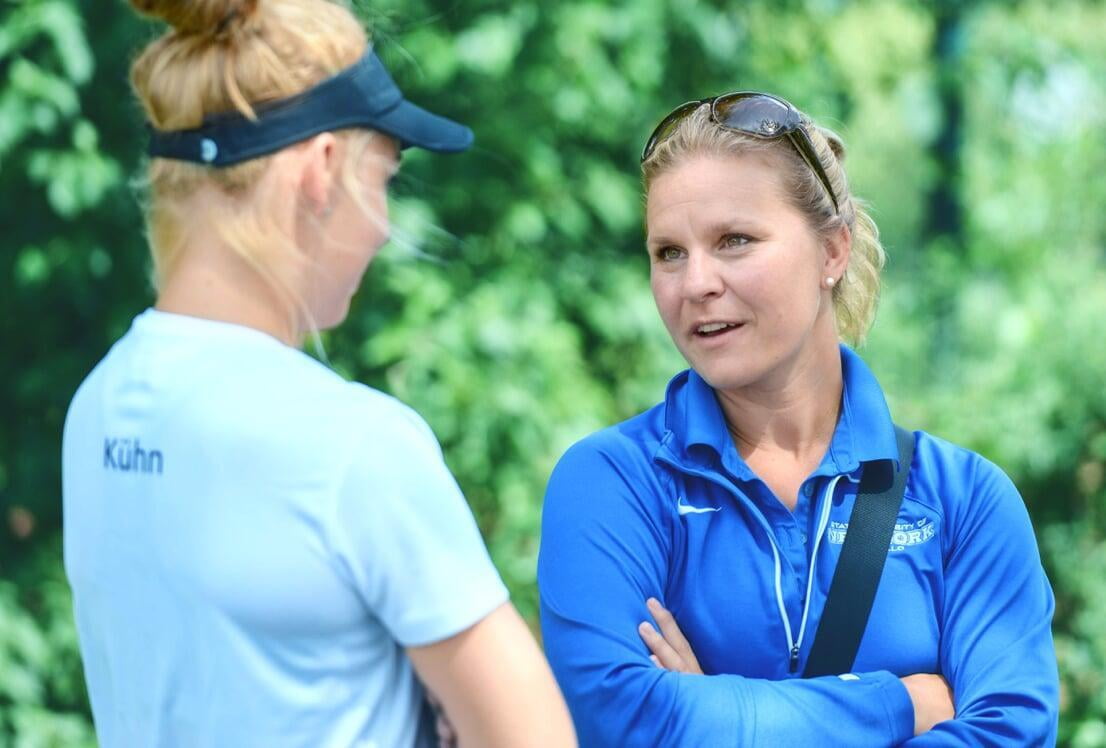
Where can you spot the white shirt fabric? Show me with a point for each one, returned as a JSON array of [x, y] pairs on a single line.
[[252, 540]]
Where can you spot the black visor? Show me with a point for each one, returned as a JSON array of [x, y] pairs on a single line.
[[362, 95]]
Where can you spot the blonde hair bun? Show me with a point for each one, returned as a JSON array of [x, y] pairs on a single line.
[[197, 16], [225, 56]]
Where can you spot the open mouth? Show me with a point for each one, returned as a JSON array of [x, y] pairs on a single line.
[[716, 329]]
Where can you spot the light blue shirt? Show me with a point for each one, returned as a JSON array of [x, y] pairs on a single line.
[[252, 541]]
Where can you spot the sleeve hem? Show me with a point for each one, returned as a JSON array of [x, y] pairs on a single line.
[[898, 706], [453, 622]]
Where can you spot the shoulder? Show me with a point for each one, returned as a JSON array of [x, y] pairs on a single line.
[[626, 448], [299, 401], [388, 424], [393, 456], [952, 473], [972, 493], [611, 472], [311, 401], [606, 495]]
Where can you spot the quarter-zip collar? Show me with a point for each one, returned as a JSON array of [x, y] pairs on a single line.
[[696, 434]]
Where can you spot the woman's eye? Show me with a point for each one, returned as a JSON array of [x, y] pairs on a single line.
[[735, 240], [668, 254]]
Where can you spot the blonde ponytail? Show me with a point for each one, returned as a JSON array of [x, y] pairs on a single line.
[[856, 295]]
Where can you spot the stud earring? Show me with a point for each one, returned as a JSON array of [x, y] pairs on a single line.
[[830, 282]]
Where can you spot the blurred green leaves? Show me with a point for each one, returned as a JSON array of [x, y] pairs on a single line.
[[77, 178], [492, 42], [513, 308], [54, 274], [59, 22], [42, 699], [37, 97]]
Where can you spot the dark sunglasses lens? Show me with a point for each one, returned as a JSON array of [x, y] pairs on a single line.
[[756, 115], [668, 125]]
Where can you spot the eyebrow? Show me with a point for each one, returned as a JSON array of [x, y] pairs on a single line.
[[719, 228], [733, 226], [659, 240]]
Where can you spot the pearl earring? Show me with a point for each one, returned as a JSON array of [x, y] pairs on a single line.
[[830, 282]]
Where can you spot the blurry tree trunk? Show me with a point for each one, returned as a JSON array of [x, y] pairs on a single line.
[[945, 213], [943, 231]]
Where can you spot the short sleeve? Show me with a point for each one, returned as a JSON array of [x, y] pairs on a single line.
[[406, 537]]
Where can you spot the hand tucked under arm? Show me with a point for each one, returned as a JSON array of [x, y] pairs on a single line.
[[443, 726], [605, 548], [929, 694], [670, 649]]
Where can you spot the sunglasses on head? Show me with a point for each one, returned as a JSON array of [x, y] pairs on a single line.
[[758, 115]]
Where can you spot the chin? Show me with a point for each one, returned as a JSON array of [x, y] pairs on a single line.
[[732, 372], [724, 378], [331, 318]]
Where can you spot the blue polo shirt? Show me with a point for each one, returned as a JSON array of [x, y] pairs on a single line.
[[663, 506]]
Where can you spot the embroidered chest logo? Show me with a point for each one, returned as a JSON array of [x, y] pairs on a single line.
[[906, 533], [684, 508]]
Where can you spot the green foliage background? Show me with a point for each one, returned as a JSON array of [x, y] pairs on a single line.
[[513, 310]]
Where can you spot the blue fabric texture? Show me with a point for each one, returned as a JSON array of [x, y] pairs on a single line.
[[662, 505]]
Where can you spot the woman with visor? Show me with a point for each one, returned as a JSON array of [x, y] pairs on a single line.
[[262, 553], [720, 515]]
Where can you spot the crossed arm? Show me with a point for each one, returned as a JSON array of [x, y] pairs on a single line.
[[604, 554], [930, 694], [495, 700]]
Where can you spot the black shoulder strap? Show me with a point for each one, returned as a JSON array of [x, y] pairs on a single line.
[[860, 565]]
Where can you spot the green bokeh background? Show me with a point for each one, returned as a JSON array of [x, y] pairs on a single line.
[[513, 309]]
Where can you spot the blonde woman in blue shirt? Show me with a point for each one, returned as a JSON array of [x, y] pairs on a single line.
[[688, 553], [262, 553]]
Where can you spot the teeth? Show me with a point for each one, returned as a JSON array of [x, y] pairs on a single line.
[[714, 327]]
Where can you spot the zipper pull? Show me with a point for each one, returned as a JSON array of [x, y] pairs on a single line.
[[794, 666]]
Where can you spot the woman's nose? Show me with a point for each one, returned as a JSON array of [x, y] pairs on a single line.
[[702, 277]]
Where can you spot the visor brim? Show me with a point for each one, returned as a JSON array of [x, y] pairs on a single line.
[[415, 127]]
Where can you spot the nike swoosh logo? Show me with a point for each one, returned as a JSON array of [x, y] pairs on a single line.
[[685, 508]]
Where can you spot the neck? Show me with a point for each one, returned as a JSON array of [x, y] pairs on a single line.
[[214, 283], [791, 413]]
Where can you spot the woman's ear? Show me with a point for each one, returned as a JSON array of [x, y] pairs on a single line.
[[318, 178], [838, 246]]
